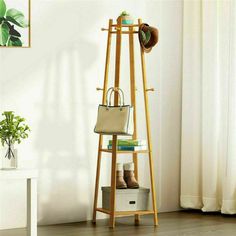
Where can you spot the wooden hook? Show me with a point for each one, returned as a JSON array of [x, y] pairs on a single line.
[[99, 89], [123, 32], [150, 90]]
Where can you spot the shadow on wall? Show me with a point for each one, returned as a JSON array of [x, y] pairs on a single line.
[[66, 147], [65, 170], [62, 131]]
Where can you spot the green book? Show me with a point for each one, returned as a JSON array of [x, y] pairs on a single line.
[[128, 148], [130, 142]]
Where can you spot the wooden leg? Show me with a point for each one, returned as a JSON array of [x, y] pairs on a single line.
[[100, 137], [153, 189], [31, 207], [148, 134], [113, 182], [97, 180], [133, 102], [114, 137]]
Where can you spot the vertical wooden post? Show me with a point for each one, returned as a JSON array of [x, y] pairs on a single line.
[[114, 137], [133, 92], [148, 133], [133, 102], [100, 136]]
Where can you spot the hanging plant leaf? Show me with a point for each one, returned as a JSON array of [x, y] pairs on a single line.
[[4, 34], [2, 8], [16, 17], [16, 42]]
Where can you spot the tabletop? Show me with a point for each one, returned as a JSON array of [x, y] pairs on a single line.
[[18, 174]]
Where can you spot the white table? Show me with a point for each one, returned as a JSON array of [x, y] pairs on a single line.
[[31, 179]]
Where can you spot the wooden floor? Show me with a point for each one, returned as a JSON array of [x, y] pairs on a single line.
[[170, 224]]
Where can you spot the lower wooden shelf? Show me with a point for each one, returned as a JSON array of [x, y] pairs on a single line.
[[123, 152], [125, 213]]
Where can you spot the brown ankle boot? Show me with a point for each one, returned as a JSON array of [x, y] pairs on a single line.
[[129, 175], [120, 182]]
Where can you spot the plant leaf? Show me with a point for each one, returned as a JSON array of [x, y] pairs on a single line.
[[16, 42], [12, 127], [14, 32], [124, 13], [4, 34], [17, 18], [2, 8]]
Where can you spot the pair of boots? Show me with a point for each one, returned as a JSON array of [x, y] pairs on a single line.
[[125, 176]]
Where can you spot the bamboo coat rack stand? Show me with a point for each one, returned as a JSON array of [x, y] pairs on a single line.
[[119, 29]]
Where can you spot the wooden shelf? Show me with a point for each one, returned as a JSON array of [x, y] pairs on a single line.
[[126, 213], [126, 25], [123, 152]]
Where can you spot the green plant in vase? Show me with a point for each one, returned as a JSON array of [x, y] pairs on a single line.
[[12, 130], [9, 18]]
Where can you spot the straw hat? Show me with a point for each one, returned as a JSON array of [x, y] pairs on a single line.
[[148, 37]]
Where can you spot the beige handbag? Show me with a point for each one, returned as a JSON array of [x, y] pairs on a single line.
[[115, 120]]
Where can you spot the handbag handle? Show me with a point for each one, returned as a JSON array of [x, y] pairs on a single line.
[[120, 92]]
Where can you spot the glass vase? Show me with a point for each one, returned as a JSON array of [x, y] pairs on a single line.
[[9, 158]]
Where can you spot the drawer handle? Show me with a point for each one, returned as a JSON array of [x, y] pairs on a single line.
[[132, 202]]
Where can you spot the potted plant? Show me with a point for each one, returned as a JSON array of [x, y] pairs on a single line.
[[12, 130], [126, 18]]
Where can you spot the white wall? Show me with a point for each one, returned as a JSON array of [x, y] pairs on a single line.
[[53, 86]]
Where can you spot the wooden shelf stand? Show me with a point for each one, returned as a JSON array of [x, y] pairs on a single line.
[[119, 29]]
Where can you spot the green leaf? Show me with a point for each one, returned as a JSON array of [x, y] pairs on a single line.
[[13, 32], [2, 8], [17, 18], [4, 34], [124, 13], [16, 42]]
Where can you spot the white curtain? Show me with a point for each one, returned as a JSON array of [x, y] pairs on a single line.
[[208, 164]]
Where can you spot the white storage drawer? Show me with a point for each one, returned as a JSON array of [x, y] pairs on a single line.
[[127, 199]]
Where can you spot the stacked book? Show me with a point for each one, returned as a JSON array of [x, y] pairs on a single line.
[[129, 145]]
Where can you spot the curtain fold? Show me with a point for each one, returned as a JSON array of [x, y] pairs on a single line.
[[208, 159]]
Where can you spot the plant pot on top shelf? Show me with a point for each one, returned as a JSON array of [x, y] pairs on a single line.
[[126, 18]]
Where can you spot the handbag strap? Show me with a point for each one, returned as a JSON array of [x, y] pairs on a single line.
[[120, 93], [110, 89]]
